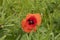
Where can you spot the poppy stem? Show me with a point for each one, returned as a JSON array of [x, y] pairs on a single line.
[[28, 34], [32, 11]]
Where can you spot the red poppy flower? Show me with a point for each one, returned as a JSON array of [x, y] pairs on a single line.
[[30, 22]]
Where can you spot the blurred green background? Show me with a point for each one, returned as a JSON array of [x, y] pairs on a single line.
[[13, 11]]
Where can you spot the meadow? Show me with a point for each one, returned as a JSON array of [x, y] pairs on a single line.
[[12, 12]]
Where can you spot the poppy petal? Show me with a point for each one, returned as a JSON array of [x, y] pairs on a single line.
[[27, 28], [23, 23], [38, 17], [34, 28], [29, 15]]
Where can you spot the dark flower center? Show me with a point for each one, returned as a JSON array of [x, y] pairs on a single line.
[[31, 22]]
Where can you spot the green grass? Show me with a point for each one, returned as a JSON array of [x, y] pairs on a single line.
[[13, 11]]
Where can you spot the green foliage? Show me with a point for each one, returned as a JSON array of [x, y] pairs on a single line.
[[13, 11]]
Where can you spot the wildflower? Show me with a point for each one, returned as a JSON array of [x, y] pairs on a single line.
[[30, 22]]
